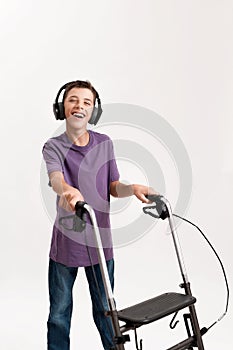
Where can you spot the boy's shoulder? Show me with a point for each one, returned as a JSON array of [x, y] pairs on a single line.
[[58, 141], [99, 137], [58, 138]]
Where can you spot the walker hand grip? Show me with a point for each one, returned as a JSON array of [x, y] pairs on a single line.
[[154, 197], [79, 222], [79, 204], [160, 206]]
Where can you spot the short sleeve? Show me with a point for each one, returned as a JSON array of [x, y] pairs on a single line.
[[114, 173], [52, 158]]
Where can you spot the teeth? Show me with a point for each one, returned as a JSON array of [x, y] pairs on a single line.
[[78, 115]]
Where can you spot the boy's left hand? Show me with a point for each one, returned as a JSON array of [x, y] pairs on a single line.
[[140, 191]]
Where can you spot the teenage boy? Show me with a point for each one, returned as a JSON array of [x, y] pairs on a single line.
[[81, 167]]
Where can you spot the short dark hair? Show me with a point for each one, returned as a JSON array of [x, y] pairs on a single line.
[[80, 84]]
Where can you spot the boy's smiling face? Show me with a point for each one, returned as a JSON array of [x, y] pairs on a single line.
[[79, 104]]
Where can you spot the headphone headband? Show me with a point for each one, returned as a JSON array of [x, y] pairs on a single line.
[[58, 107]]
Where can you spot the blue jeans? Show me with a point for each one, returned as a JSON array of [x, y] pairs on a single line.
[[61, 281]]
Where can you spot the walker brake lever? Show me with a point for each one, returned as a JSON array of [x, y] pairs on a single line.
[[160, 206], [79, 223]]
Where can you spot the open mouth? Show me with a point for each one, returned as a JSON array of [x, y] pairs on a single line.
[[78, 115]]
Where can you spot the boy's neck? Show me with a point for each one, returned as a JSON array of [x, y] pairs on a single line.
[[78, 137]]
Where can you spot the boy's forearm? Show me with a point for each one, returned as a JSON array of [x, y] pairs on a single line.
[[58, 183], [120, 190], [69, 195]]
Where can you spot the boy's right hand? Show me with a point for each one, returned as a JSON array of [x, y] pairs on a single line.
[[69, 198], [69, 195]]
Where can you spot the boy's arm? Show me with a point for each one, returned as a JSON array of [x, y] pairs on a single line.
[[68, 195], [120, 190]]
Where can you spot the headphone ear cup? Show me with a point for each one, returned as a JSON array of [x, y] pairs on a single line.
[[96, 113], [93, 116], [58, 110]]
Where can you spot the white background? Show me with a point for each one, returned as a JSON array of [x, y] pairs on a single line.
[[171, 56]]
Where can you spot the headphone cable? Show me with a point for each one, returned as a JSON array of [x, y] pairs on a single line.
[[222, 267]]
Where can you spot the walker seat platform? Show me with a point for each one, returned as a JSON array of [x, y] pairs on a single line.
[[154, 309]]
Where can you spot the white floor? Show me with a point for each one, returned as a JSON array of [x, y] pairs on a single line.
[[24, 307]]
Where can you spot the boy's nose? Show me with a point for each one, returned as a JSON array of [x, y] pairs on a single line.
[[79, 105]]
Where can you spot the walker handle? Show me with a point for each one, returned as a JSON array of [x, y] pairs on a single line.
[[154, 197], [79, 204], [79, 222], [160, 206]]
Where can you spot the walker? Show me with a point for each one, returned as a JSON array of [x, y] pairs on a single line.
[[158, 307]]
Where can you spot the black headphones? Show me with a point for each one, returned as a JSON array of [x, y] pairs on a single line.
[[58, 107]]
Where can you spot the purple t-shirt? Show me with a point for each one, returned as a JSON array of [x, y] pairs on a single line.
[[90, 169]]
